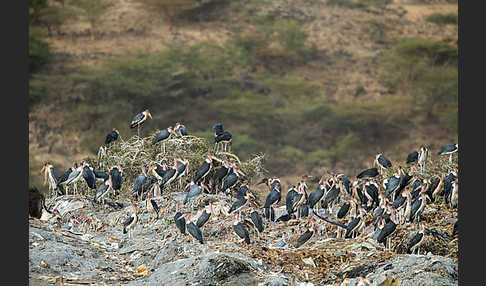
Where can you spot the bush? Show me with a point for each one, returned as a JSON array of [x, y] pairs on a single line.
[[442, 19], [40, 55], [427, 72]]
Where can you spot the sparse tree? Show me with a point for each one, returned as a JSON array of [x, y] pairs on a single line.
[[93, 10], [169, 8]]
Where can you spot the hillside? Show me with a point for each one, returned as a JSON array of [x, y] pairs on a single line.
[[314, 85]]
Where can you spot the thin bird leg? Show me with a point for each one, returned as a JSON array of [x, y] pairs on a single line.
[[138, 130], [450, 158]]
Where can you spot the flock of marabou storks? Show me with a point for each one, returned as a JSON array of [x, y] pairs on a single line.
[[344, 204]]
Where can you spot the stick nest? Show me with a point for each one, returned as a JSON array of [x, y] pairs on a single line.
[[136, 152]]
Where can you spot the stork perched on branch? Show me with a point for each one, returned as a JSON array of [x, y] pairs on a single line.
[[139, 119]]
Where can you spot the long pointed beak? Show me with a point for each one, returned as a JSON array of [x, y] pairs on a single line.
[[241, 173], [150, 115]]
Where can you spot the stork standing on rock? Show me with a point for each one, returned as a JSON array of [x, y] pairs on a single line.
[[417, 240], [423, 155], [103, 189], [52, 178], [240, 229], [182, 169], [205, 215], [307, 235], [193, 230], [138, 185], [74, 177], [130, 223], [116, 173], [273, 198], [63, 178], [204, 169]]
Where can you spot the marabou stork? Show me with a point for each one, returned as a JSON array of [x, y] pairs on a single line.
[[89, 176], [101, 155], [52, 178], [230, 180], [240, 229], [412, 157], [63, 178], [417, 240], [306, 236], [273, 198], [169, 176], [385, 234], [205, 215], [204, 169], [344, 209], [352, 226], [368, 173], [423, 154], [74, 177], [194, 191], [116, 173], [179, 220], [418, 206], [221, 137], [438, 188], [99, 174], [140, 182], [151, 205], [256, 219], [371, 190], [383, 162], [448, 150], [379, 226], [240, 203], [344, 182], [448, 185], [244, 190], [112, 136], [392, 185], [220, 174], [103, 189], [158, 171], [130, 223], [182, 169], [139, 119], [289, 199], [162, 136], [454, 200], [193, 230], [303, 210], [301, 205], [330, 198], [316, 196], [180, 129]]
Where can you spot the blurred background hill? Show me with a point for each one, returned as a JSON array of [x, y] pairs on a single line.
[[315, 85]]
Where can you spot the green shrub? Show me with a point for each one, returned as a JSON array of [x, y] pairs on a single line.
[[40, 55], [425, 71], [442, 19]]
